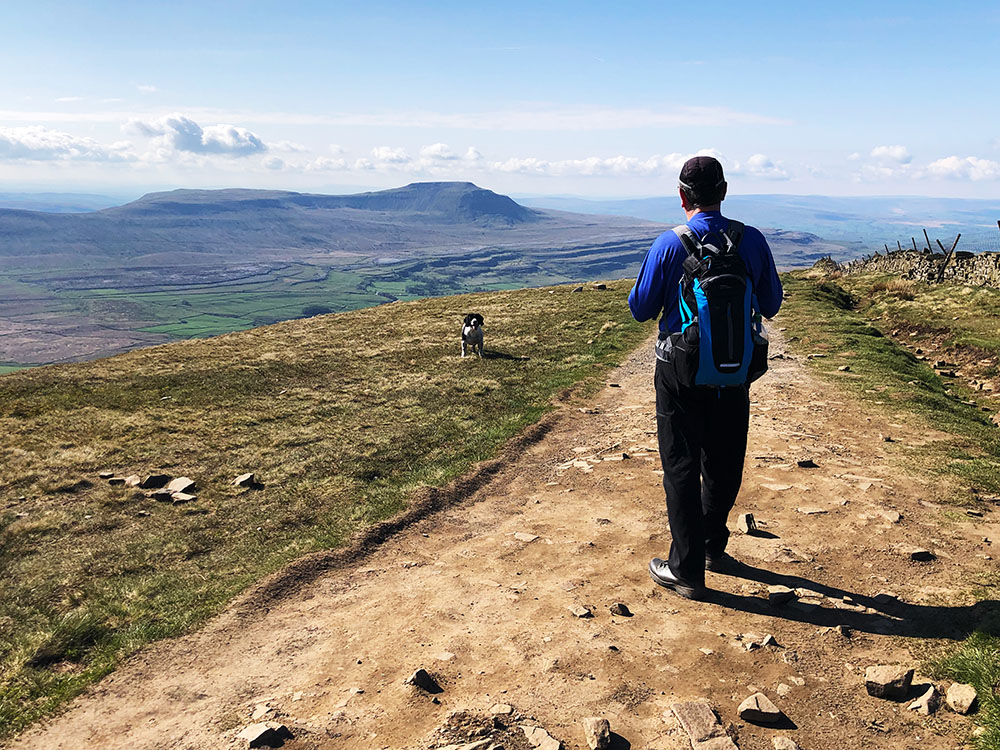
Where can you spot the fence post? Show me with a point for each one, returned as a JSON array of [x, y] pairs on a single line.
[[929, 248], [947, 256], [914, 241]]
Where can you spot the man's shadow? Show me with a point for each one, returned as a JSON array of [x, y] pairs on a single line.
[[891, 616]]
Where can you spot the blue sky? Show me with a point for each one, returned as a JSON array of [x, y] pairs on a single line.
[[602, 99]]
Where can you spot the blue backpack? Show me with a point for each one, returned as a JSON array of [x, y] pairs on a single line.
[[722, 342]]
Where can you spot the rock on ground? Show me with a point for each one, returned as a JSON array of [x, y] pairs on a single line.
[[784, 743], [759, 709], [927, 703], [702, 726], [540, 739], [746, 523], [620, 609], [960, 697], [265, 734], [890, 682], [181, 484], [779, 594], [597, 732], [423, 680]]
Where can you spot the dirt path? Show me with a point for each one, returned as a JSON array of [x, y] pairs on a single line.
[[488, 612]]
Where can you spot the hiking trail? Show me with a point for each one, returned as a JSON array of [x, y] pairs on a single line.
[[480, 595]]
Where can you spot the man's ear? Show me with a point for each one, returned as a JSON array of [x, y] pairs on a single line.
[[722, 194], [685, 203]]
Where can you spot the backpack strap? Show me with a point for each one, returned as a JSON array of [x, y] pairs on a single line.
[[692, 246], [735, 233]]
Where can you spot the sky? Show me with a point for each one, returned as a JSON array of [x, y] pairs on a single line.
[[602, 99]]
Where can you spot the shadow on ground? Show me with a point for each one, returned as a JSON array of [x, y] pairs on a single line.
[[892, 617]]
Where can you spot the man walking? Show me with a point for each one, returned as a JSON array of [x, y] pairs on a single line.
[[701, 429]]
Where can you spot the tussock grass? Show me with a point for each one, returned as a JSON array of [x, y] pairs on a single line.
[[341, 417], [896, 287], [837, 319]]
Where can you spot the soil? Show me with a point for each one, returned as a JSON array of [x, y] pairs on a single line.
[[326, 648]]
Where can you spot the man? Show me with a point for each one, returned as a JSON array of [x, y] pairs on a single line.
[[702, 431]]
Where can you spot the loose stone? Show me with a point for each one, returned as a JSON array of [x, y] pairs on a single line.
[[597, 732], [759, 709], [960, 697], [891, 682]]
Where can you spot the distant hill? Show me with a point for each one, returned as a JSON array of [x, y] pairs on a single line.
[[59, 203], [860, 223], [268, 224]]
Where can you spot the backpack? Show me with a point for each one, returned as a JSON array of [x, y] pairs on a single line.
[[722, 342]]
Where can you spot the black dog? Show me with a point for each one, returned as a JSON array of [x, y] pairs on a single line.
[[472, 333]]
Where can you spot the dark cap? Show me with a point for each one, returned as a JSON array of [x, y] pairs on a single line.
[[703, 180]]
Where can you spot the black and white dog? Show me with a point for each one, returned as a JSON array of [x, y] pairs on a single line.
[[472, 333]]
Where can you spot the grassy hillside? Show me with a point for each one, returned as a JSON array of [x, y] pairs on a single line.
[[342, 417], [930, 355]]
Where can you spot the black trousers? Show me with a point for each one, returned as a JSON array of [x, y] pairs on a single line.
[[702, 435]]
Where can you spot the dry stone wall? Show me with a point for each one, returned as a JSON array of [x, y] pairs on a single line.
[[972, 269]]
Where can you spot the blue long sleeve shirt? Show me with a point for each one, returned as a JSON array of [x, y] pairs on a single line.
[[657, 286]]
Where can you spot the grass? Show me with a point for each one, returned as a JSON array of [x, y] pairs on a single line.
[[342, 417], [838, 318]]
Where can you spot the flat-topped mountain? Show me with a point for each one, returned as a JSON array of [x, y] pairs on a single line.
[[269, 224]]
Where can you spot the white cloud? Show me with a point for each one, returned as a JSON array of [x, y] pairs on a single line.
[[438, 152], [390, 156], [967, 168], [288, 147], [760, 165], [600, 166], [854, 157], [177, 132], [892, 154], [272, 162], [42, 144], [67, 99], [327, 164], [147, 88]]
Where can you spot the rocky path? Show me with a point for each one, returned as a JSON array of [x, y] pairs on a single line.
[[505, 601]]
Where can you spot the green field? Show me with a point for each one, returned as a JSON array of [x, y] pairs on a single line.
[[345, 418]]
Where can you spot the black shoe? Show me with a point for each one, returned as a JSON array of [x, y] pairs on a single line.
[[723, 563], [661, 574]]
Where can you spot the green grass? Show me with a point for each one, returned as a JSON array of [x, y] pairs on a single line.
[[839, 319], [342, 417]]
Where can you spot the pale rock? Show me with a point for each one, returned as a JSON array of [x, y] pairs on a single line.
[[245, 480], [746, 523], [784, 743], [597, 732], [133, 480], [182, 497], [620, 609], [759, 709], [960, 697], [891, 516], [181, 484], [927, 703], [522, 536], [540, 739], [502, 709], [699, 721], [888, 681], [580, 610], [783, 690], [811, 510]]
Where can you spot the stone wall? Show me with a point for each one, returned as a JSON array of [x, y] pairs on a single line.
[[982, 269]]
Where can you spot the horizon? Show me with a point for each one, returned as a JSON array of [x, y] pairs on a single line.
[[554, 100]]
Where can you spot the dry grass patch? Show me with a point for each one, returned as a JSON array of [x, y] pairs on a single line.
[[342, 417]]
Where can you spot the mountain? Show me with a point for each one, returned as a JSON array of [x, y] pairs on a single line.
[[274, 224]]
